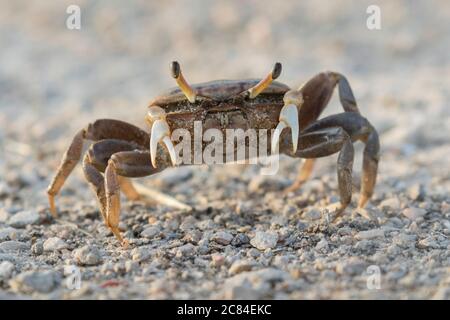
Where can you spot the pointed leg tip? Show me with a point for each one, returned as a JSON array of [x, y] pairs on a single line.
[[293, 187], [362, 202], [52, 206], [339, 213], [125, 244]]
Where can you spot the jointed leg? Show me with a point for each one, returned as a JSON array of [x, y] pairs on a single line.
[[96, 181], [331, 134], [370, 167], [344, 170], [316, 94], [100, 129], [128, 189], [127, 163], [327, 141], [113, 201], [303, 175], [68, 162]]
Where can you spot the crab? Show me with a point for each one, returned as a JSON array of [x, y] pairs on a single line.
[[290, 116]]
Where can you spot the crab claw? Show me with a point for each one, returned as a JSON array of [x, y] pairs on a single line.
[[288, 119], [160, 133]]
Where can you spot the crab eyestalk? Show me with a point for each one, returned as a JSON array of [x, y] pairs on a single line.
[[182, 83], [253, 92], [160, 133], [288, 119]]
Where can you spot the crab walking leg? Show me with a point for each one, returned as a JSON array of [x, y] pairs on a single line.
[[304, 173], [96, 181], [356, 128], [101, 151], [327, 141], [346, 96], [112, 189], [128, 189], [68, 162], [125, 164], [161, 198], [100, 129], [344, 171], [317, 93], [370, 167]]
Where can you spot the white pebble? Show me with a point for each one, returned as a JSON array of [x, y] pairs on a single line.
[[392, 203], [322, 245], [370, 234], [414, 213], [23, 218], [54, 244], [150, 232], [6, 270], [264, 240], [87, 256]]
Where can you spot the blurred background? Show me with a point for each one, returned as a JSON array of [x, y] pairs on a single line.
[[54, 81]]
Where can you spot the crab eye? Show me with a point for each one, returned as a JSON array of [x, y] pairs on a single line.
[[264, 83], [182, 83]]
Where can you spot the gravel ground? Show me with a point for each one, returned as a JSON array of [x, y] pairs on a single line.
[[243, 239]]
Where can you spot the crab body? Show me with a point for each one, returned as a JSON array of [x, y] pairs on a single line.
[[223, 104], [288, 116]]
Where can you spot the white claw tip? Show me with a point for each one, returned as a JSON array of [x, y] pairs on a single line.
[[288, 119], [161, 133]]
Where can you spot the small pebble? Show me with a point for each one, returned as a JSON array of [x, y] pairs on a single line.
[[217, 260], [185, 250], [414, 213], [54, 244], [370, 234], [6, 270], [37, 248], [141, 254], [9, 234], [13, 246], [23, 218], [240, 266], [312, 214], [222, 237], [322, 245], [240, 293], [264, 240], [40, 281], [87, 256], [352, 266], [150, 232], [416, 192], [392, 203], [4, 215]]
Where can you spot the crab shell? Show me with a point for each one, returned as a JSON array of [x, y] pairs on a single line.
[[223, 104]]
